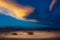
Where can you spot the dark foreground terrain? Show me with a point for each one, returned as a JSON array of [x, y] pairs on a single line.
[[28, 39]]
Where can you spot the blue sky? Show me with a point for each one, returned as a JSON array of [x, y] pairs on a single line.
[[41, 12]]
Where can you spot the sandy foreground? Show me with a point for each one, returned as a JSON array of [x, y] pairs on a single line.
[[36, 35]]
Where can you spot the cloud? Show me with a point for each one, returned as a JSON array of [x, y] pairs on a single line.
[[15, 10]]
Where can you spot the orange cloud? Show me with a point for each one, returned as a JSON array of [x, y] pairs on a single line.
[[18, 11]]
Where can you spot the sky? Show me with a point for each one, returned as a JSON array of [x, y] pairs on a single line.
[[32, 10]]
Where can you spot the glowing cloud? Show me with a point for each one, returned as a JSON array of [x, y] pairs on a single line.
[[14, 10]]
